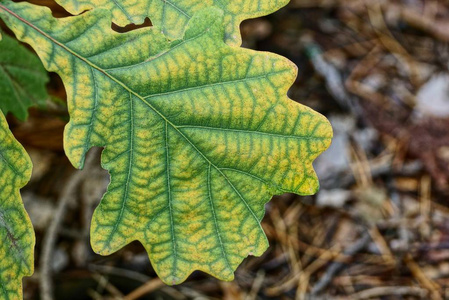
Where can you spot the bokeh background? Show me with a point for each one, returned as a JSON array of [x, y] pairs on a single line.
[[378, 228]]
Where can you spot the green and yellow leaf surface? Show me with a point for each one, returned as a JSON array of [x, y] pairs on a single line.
[[16, 231], [198, 135], [22, 79], [172, 16]]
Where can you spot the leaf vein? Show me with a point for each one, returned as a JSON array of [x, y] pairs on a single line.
[[217, 229]]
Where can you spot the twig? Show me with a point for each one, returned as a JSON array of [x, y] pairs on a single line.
[[331, 75], [383, 291], [49, 241], [150, 286], [301, 277], [377, 168], [387, 39], [336, 267], [337, 256], [104, 284], [425, 205], [110, 270], [421, 277], [256, 286], [382, 245], [417, 20]]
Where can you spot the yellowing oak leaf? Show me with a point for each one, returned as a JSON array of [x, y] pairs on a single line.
[[16, 231], [172, 16], [198, 135]]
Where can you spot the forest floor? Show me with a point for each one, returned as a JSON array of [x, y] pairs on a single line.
[[378, 228]]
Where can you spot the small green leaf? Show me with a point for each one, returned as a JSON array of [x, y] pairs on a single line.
[[172, 16], [22, 79], [198, 135], [16, 231]]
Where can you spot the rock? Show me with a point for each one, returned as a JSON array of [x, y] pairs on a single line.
[[335, 160], [433, 97], [333, 198]]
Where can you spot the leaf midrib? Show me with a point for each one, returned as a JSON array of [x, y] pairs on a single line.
[[138, 96]]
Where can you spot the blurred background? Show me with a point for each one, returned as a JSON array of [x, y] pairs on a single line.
[[378, 228]]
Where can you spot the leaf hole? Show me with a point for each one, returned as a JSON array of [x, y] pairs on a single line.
[[56, 10], [130, 27]]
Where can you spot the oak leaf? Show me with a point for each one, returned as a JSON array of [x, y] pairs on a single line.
[[198, 135], [16, 232]]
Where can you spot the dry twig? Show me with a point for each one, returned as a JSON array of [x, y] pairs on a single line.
[[49, 241]]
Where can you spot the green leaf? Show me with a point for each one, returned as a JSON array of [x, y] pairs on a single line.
[[16, 231], [198, 135], [172, 16], [22, 79]]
